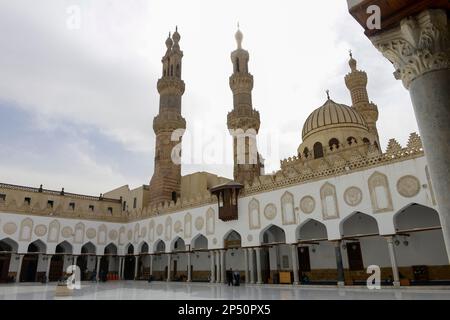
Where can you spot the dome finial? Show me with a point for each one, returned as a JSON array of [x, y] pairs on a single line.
[[239, 36], [352, 63], [328, 94]]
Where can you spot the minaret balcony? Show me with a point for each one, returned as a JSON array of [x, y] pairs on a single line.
[[171, 85]]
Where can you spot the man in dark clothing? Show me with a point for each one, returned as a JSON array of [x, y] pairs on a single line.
[[230, 277]]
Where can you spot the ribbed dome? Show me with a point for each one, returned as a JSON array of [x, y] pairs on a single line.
[[332, 115]]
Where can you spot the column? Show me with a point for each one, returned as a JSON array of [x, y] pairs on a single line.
[[123, 267], [189, 271], [217, 266], [151, 265], [252, 265], [74, 260], [294, 251], [19, 267], [120, 268], [391, 248], [258, 265], [223, 268], [211, 254], [98, 267], [247, 280], [169, 267], [136, 267], [47, 271], [424, 68], [339, 264]]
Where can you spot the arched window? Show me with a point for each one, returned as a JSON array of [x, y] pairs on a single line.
[[351, 140], [237, 65], [306, 152], [333, 144], [376, 145], [178, 74], [366, 141], [171, 70], [174, 196], [318, 150]]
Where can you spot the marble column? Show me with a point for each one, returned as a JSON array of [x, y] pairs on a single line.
[[252, 265], [151, 265], [189, 271], [218, 269], [392, 256], [47, 270], [223, 271], [339, 263], [419, 48], [19, 269], [136, 267], [120, 268], [294, 254], [169, 267], [212, 276], [247, 280], [258, 265], [98, 267]]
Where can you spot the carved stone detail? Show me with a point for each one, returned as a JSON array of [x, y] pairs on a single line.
[[353, 196], [113, 235], [420, 44], [91, 233], [10, 228], [307, 204], [199, 223], [66, 232], [270, 211], [408, 186], [40, 230]]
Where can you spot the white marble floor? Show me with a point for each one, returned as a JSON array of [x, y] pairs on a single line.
[[141, 290]]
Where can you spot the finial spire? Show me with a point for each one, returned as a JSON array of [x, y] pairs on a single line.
[[328, 94], [239, 36], [350, 53]]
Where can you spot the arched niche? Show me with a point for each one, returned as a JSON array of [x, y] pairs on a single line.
[[254, 219], [380, 193], [330, 209], [287, 209]]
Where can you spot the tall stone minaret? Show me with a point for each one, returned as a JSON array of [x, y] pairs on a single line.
[[356, 82], [165, 184], [243, 122]]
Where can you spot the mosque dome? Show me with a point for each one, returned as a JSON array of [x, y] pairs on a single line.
[[330, 116]]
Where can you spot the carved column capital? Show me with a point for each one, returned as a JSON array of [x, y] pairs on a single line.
[[419, 45]]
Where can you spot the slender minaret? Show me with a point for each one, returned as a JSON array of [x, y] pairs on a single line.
[[356, 82], [243, 122], [165, 184]]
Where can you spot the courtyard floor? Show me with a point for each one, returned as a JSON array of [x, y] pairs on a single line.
[[142, 290]]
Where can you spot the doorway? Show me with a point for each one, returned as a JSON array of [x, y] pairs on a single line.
[[4, 267], [56, 267], [354, 254]]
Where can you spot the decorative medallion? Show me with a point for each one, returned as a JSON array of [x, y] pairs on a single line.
[[307, 204], [159, 229], [250, 238], [353, 196], [40, 230], [10, 228], [408, 186], [199, 222], [215, 241], [177, 226], [130, 235], [270, 211], [113, 235], [66, 232], [91, 233]]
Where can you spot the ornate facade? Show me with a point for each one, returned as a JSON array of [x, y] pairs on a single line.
[[339, 205]]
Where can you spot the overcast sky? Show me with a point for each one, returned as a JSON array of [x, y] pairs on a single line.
[[77, 104]]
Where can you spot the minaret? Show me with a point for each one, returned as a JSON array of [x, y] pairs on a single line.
[[356, 82], [243, 122], [165, 184]]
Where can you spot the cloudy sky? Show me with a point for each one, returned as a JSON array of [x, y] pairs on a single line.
[[78, 96]]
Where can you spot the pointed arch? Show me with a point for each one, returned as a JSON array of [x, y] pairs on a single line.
[[26, 228], [110, 249], [64, 247], [416, 216], [8, 244], [199, 242], [210, 221], [53, 231], [188, 225], [178, 244], [287, 209], [89, 248], [254, 217], [143, 247], [232, 239], [358, 223], [79, 233], [159, 246], [272, 234], [37, 246], [129, 248], [380, 193], [311, 229]]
